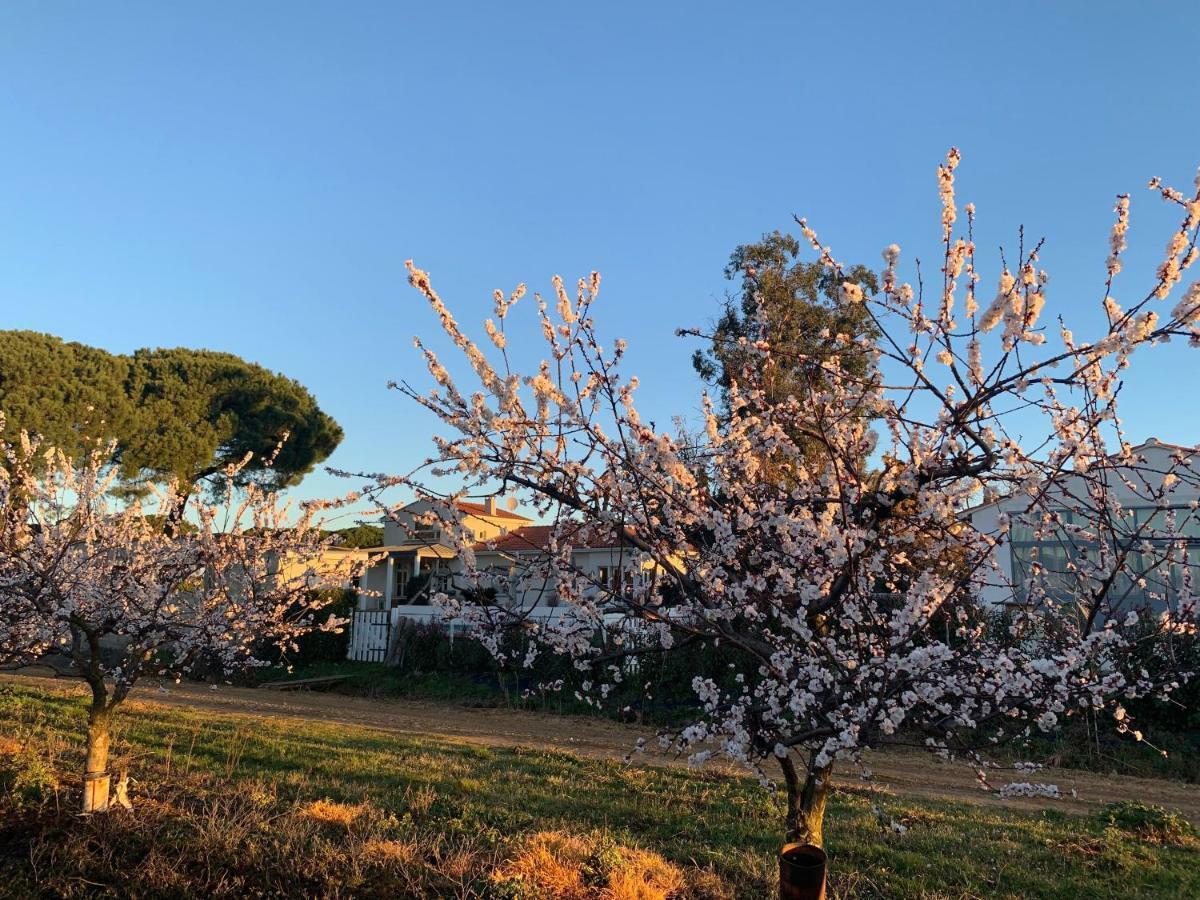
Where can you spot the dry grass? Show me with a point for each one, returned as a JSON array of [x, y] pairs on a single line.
[[10, 746], [566, 866], [388, 852], [225, 811], [331, 812], [645, 876]]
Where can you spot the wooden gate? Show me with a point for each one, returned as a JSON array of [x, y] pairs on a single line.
[[369, 633]]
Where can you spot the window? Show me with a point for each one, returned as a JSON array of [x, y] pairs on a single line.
[[439, 578], [1147, 576]]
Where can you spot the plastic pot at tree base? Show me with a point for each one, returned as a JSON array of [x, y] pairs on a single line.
[[96, 792], [802, 872]]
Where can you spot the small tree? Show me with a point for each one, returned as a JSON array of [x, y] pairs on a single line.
[[850, 591], [104, 586]]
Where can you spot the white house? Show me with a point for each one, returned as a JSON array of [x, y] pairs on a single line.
[[605, 563], [415, 560], [1053, 544]]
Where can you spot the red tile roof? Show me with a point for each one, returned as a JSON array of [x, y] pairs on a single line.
[[479, 509], [536, 537]]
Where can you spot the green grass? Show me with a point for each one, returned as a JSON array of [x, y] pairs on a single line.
[[1075, 746], [218, 802], [366, 679]]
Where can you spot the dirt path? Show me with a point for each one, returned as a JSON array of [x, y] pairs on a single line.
[[911, 774]]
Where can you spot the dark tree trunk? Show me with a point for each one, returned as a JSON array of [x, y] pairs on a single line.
[[173, 522]]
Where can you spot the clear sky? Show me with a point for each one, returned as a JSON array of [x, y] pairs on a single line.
[[250, 177]]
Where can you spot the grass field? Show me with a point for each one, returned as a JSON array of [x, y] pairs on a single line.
[[232, 806], [1077, 746]]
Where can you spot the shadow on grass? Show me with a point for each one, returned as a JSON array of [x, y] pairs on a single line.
[[196, 768]]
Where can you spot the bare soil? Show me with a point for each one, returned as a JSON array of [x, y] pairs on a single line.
[[904, 773]]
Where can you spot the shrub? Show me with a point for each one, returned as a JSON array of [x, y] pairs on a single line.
[[326, 646], [658, 688], [1151, 823]]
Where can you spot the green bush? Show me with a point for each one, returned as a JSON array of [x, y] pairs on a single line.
[[326, 646], [1153, 823], [657, 688], [515, 888], [604, 859]]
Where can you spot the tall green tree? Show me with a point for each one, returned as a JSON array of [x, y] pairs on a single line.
[[794, 305], [198, 411], [174, 414], [68, 393], [361, 535]]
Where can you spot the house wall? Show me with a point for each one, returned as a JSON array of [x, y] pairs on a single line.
[[600, 565], [1072, 493], [331, 570], [373, 587], [484, 528], [999, 588]]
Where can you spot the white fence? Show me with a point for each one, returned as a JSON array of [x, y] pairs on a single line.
[[369, 633], [371, 630]]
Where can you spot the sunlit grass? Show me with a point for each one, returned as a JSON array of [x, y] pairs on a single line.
[[372, 812]]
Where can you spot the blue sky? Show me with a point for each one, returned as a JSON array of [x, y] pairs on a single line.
[[251, 177]]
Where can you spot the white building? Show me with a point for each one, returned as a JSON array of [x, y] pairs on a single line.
[[604, 564], [1041, 530], [417, 561]]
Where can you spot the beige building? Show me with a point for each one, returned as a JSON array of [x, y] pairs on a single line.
[[416, 561]]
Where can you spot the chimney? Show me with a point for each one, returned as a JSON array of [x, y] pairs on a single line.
[[490, 505]]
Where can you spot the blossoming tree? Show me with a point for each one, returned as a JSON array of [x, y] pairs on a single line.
[[846, 584], [101, 584]]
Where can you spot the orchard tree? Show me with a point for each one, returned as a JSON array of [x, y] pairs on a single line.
[[831, 587], [103, 585]]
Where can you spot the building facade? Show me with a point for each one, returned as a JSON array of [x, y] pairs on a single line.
[[1044, 536], [416, 560]]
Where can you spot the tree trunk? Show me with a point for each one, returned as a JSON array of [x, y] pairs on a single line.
[[397, 645], [806, 802], [97, 781], [96, 777]]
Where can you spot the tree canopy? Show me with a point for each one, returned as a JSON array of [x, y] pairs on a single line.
[[795, 306], [173, 413], [121, 598], [359, 536], [853, 598]]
